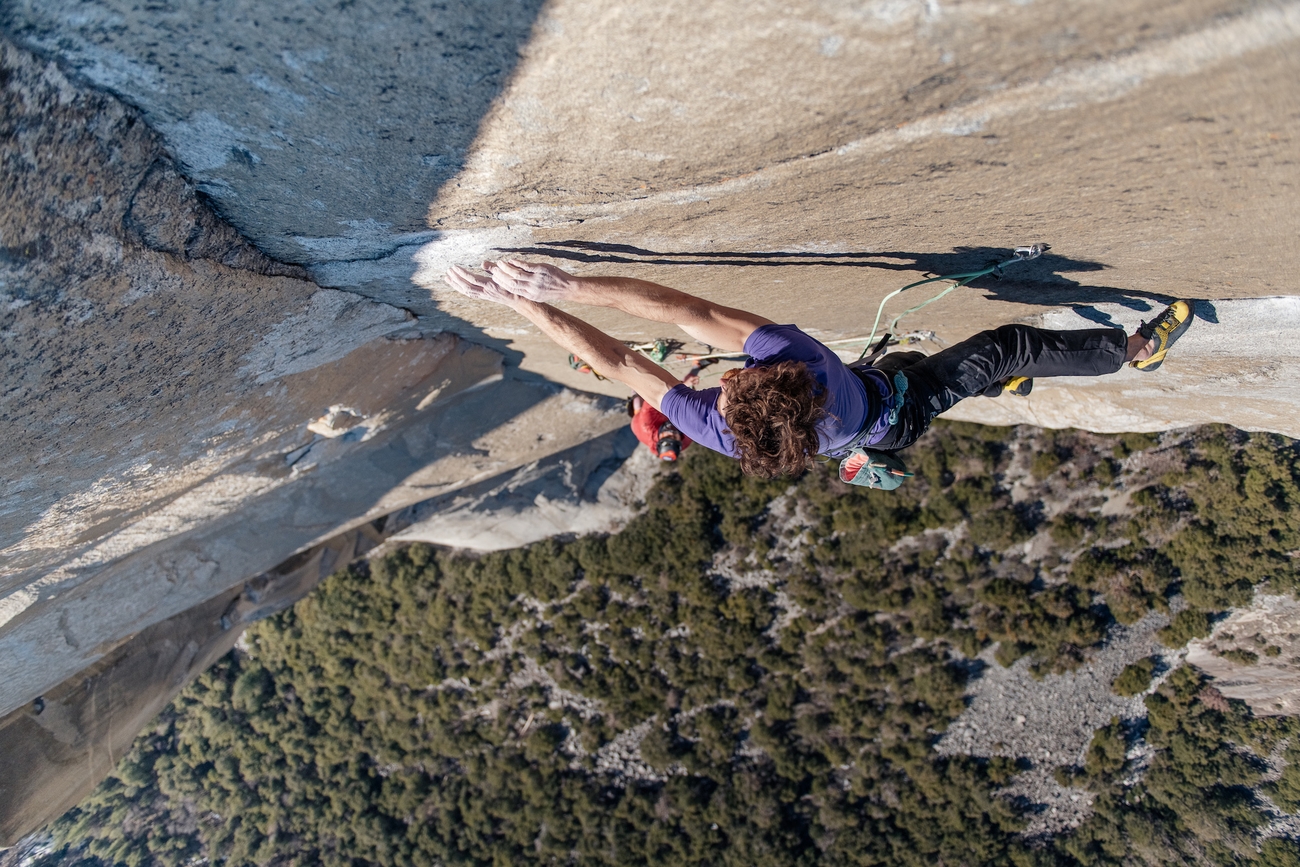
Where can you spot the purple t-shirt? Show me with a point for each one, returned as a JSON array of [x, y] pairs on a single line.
[[695, 413]]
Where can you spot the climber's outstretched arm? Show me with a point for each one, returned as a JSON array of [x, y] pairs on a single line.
[[724, 327], [608, 357]]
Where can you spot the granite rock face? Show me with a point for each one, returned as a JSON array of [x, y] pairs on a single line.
[[57, 748], [593, 488], [186, 419], [802, 159], [222, 338], [323, 130], [180, 411]]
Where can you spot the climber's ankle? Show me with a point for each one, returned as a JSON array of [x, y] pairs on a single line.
[[1139, 348]]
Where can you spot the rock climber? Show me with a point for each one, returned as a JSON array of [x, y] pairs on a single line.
[[794, 398]]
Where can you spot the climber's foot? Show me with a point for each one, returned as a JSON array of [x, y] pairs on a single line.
[[1017, 385], [1020, 385], [1161, 334]]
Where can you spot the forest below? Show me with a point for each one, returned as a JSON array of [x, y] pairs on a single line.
[[751, 673]]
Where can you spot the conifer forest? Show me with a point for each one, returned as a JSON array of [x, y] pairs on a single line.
[[751, 673]]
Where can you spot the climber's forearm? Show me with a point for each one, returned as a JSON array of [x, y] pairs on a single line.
[[724, 327], [607, 356]]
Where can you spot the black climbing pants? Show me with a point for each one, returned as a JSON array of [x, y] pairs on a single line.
[[936, 382]]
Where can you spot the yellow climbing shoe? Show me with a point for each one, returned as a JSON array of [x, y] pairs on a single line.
[[1019, 385], [1165, 329]]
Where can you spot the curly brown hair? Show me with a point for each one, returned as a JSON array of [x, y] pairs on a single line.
[[773, 414]]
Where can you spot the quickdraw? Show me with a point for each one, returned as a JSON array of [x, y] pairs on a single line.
[[583, 367], [658, 349], [895, 404]]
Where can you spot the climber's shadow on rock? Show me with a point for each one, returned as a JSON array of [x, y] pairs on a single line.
[[1044, 281]]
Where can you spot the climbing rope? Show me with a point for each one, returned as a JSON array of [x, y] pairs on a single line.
[[903, 339], [1021, 254]]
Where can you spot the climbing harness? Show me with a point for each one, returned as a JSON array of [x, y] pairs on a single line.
[[860, 464], [893, 396], [883, 470]]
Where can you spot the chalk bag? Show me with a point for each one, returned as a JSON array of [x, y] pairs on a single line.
[[872, 469]]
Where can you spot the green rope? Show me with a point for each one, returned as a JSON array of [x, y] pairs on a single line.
[[1022, 254]]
